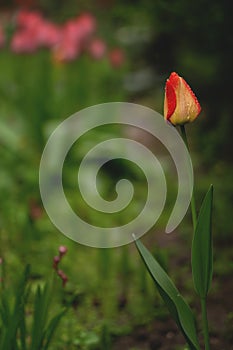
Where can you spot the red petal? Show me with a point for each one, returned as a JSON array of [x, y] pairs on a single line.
[[174, 80], [170, 99]]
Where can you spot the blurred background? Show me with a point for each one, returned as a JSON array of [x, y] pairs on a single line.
[[57, 57]]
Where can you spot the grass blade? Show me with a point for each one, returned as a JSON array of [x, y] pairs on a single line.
[[53, 324]]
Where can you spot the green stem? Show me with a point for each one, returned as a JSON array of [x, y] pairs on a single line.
[[194, 218], [193, 203], [205, 324]]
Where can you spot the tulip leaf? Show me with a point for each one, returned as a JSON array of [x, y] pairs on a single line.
[[202, 247], [176, 305]]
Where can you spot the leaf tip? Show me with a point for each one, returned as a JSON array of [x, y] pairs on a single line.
[[211, 189]]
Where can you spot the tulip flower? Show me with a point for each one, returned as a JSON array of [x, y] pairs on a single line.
[[180, 104]]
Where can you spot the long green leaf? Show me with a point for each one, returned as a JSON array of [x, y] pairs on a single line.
[[14, 316], [40, 316], [22, 322], [178, 308], [202, 247], [51, 328]]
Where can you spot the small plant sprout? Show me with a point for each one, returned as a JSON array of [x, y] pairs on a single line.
[[56, 261]]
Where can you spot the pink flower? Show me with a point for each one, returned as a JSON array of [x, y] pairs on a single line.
[[62, 250], [25, 38], [35, 210], [116, 57], [28, 19], [24, 41], [56, 261], [68, 47], [48, 34], [71, 31], [63, 276], [97, 48], [67, 42], [79, 30], [65, 51], [33, 32], [87, 25]]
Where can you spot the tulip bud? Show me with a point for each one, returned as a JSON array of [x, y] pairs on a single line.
[[180, 104]]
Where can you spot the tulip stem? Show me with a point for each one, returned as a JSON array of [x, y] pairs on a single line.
[[193, 203], [194, 218], [205, 324]]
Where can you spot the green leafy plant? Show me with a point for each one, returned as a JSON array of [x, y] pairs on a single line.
[[181, 106], [19, 331]]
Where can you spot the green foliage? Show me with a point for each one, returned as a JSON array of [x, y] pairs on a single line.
[[86, 340], [16, 331], [35, 90], [202, 250], [13, 315], [177, 306], [105, 338], [36, 94], [43, 329]]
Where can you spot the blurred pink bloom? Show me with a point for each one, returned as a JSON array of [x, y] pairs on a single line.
[[63, 276], [35, 210], [87, 24], [28, 19], [23, 41], [65, 51], [71, 31], [73, 36], [116, 57], [48, 34], [2, 37], [62, 250], [34, 32], [79, 30], [56, 261], [1, 261], [97, 48], [66, 42]]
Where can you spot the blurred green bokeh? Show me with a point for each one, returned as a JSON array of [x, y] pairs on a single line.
[[36, 93]]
